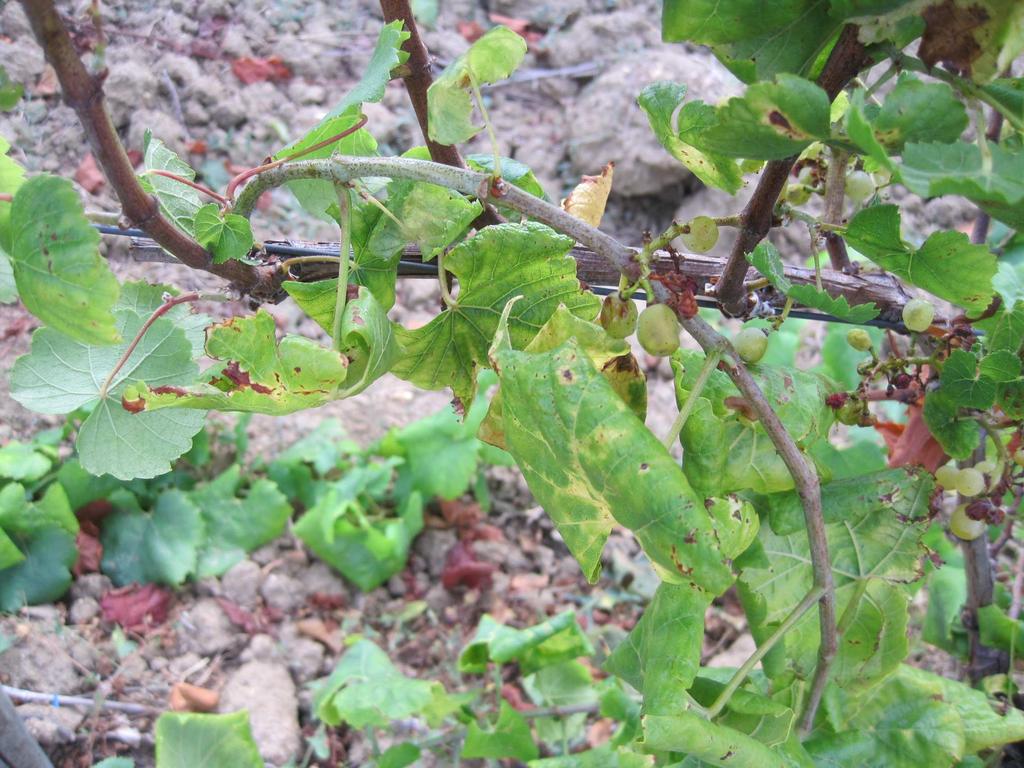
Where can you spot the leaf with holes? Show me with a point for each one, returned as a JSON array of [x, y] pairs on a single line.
[[60, 375], [495, 265]]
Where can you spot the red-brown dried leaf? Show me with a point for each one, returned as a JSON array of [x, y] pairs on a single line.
[[240, 617], [515, 697], [137, 608], [89, 176], [461, 514], [462, 569], [470, 30], [911, 444], [94, 511], [90, 550], [251, 70]]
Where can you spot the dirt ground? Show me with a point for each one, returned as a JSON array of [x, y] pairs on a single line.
[[569, 112]]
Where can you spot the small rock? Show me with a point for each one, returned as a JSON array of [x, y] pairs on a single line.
[[93, 585], [267, 691], [499, 552], [228, 112], [179, 668], [38, 663], [282, 592], [601, 36], [305, 656], [23, 61], [206, 629], [234, 43], [265, 554], [50, 726], [396, 585], [241, 584], [261, 648], [433, 546], [438, 598], [164, 127], [318, 578], [642, 165], [129, 87], [302, 92]]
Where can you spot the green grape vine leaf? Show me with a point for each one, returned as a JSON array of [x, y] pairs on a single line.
[[613, 357], [144, 299], [158, 546], [493, 266], [226, 236], [543, 645], [508, 736], [704, 740], [178, 202], [661, 655], [765, 257], [591, 463], [366, 689], [956, 433], [748, 710], [771, 121], [61, 375], [37, 546], [495, 56], [189, 739], [947, 265], [12, 176], [660, 101], [60, 275], [872, 555], [235, 524], [916, 112]]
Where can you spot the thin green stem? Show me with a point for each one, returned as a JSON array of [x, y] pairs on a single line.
[[744, 671], [345, 220], [710, 364], [981, 139], [487, 124], [442, 279], [851, 607], [365, 194]]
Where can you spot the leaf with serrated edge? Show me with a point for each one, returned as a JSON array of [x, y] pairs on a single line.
[[178, 202], [493, 57], [226, 236], [188, 740], [660, 101], [591, 463], [61, 277], [492, 267], [259, 374], [60, 375]]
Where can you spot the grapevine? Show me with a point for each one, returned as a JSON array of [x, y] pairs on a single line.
[[785, 501]]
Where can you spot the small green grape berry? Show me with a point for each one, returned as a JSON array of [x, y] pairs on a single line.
[[797, 194], [1018, 457], [657, 330], [881, 177], [859, 186], [751, 166], [701, 234], [970, 482], [852, 413], [859, 339], [751, 344], [946, 476], [918, 315], [985, 467], [618, 315], [963, 527]]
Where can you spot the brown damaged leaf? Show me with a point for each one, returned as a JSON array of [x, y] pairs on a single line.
[[588, 200]]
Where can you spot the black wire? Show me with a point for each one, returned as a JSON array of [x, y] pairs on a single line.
[[419, 268]]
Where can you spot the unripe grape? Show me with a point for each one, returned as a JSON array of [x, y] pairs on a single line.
[[859, 186], [797, 194], [751, 166], [751, 344], [918, 315], [970, 482], [657, 330], [946, 476], [985, 467], [853, 412], [963, 527], [702, 234], [1018, 457], [881, 177], [859, 339], [618, 315]]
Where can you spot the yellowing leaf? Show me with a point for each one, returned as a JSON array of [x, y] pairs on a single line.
[[587, 201]]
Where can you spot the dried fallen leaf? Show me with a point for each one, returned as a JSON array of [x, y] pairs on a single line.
[[89, 176], [251, 70], [461, 568], [186, 697], [911, 443], [470, 30], [137, 608], [319, 631], [588, 200], [528, 582], [240, 617], [90, 550]]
